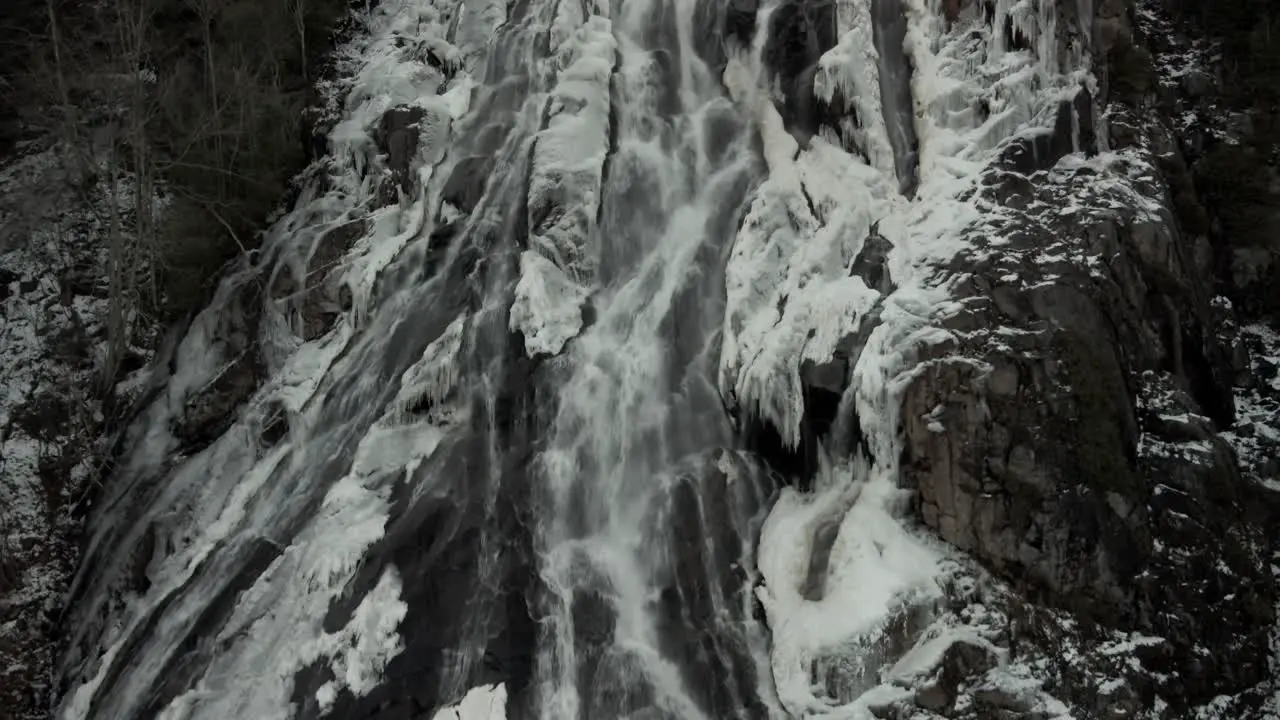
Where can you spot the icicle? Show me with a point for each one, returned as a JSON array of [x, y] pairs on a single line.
[[435, 375]]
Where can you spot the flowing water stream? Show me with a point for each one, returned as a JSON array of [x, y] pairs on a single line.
[[647, 511]]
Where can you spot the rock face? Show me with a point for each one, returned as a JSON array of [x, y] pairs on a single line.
[[1069, 438]]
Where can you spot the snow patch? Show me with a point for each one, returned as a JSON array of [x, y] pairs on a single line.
[[486, 702]]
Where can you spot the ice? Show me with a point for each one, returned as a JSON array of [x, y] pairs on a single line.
[[367, 643], [227, 505], [548, 305], [486, 702], [646, 288], [558, 272], [382, 71], [436, 374], [849, 72]]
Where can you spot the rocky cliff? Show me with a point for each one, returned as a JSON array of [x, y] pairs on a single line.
[[677, 359]]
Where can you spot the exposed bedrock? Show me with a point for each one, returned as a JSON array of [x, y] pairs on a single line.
[[1067, 436]]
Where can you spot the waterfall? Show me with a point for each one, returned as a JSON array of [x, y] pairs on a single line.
[[647, 514], [511, 476], [889, 30]]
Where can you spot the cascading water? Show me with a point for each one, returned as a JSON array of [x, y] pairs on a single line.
[[645, 540], [505, 474]]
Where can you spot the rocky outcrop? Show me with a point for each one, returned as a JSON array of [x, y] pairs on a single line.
[[1217, 70], [1068, 436], [319, 298], [799, 34]]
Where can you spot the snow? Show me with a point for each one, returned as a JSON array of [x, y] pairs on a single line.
[[231, 501], [1256, 433], [367, 643], [52, 331], [877, 569], [437, 372], [790, 297], [849, 72], [486, 702]]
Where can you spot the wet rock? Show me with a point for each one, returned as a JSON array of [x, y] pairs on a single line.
[[275, 425], [1067, 437], [211, 410], [138, 579], [870, 263], [799, 34], [701, 620], [740, 20], [951, 9], [397, 137], [466, 183], [1072, 131], [318, 300], [322, 302]]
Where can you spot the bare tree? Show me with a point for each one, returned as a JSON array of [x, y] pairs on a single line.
[[299, 10], [131, 256]]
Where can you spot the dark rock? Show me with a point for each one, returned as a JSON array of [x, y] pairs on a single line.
[[211, 410], [466, 183], [962, 661], [275, 427], [951, 9], [1072, 131], [889, 31], [740, 20], [7, 278], [849, 671], [398, 138], [870, 262], [994, 699], [320, 300], [799, 34], [701, 612]]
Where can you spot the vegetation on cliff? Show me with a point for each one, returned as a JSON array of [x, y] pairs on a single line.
[[189, 111]]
